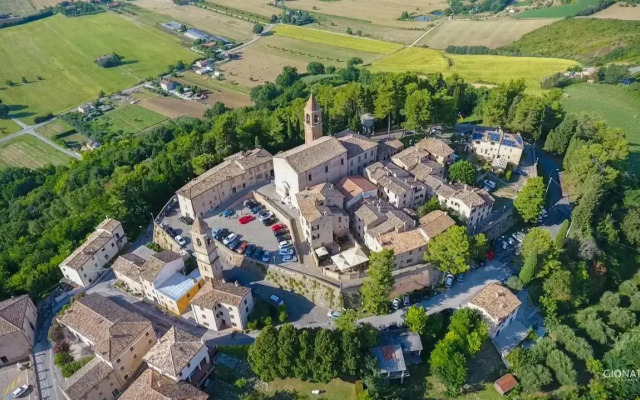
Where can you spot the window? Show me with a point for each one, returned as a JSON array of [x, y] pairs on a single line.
[[122, 368], [246, 309], [326, 169], [146, 333], [106, 256], [188, 365], [102, 249], [205, 323], [135, 356], [118, 361], [204, 316], [342, 161], [131, 348], [115, 393], [112, 244], [309, 176], [234, 324], [149, 341], [245, 301], [126, 377]]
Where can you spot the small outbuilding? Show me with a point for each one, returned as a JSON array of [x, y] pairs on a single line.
[[505, 384]]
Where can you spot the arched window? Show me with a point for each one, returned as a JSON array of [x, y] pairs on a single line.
[[199, 242], [308, 118], [316, 119]]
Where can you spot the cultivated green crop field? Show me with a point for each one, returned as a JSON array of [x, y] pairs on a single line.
[[337, 40], [29, 152], [62, 50], [618, 106], [129, 119], [566, 10]]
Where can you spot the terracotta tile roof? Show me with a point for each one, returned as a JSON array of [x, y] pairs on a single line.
[[109, 225], [496, 300], [129, 265], [151, 385], [356, 143], [96, 241], [318, 201], [402, 242], [445, 190], [436, 147], [107, 325], [86, 378], [156, 263], [436, 222], [393, 143], [472, 197], [233, 166], [217, 291], [12, 314], [352, 186], [409, 157], [433, 182], [173, 351], [505, 384], [309, 155]]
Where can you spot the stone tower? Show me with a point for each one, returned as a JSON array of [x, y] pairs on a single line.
[[205, 250], [312, 120]]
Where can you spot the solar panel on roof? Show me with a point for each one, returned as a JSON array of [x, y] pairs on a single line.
[[509, 143], [494, 137], [519, 140], [477, 136]]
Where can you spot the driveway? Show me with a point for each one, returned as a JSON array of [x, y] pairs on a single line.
[[11, 379]]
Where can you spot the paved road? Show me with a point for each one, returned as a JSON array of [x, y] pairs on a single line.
[[31, 130], [48, 375]]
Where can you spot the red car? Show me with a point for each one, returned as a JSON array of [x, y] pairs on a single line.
[[278, 227], [246, 219]]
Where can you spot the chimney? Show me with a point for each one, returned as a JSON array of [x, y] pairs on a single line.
[[236, 284], [465, 186], [224, 280]]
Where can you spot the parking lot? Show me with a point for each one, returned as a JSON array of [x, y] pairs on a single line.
[[11, 379], [253, 232]]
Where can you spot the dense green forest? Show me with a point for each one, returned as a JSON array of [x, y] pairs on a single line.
[[591, 41]]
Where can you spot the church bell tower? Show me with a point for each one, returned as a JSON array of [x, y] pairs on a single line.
[[312, 120], [205, 250]]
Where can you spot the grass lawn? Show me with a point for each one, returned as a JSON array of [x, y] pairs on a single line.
[[337, 40], [618, 106], [54, 128], [62, 50], [334, 390], [474, 69], [566, 10], [7, 127], [129, 119], [27, 151]]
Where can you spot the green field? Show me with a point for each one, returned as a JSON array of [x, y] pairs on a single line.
[[27, 151], [54, 128], [475, 69], [337, 40], [16, 7], [334, 390], [61, 51], [618, 106], [563, 11], [588, 40], [8, 127], [129, 119]]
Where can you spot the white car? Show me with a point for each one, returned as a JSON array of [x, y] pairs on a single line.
[[396, 303], [291, 258], [490, 183], [181, 240], [229, 239], [285, 243], [265, 215], [333, 314], [448, 281], [19, 392]]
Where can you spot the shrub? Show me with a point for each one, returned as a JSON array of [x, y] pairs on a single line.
[[56, 332], [267, 321], [282, 314], [562, 365], [240, 383], [61, 347], [62, 358], [573, 343]]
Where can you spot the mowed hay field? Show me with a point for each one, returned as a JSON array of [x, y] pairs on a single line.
[[17, 7], [29, 152], [337, 40], [371, 30], [490, 33], [130, 119], [8, 127], [618, 106], [62, 50], [197, 17], [617, 11], [172, 107], [474, 69]]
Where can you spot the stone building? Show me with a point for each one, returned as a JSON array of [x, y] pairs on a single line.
[[321, 214], [221, 305], [17, 327]]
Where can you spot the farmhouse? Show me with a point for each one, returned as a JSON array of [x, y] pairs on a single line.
[[320, 159], [119, 339], [496, 144], [85, 108], [168, 84], [180, 356], [471, 204], [498, 307], [236, 173], [85, 264], [151, 385], [321, 214], [17, 326], [221, 305]]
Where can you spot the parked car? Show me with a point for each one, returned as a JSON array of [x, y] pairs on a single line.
[[256, 209], [333, 314], [246, 219], [448, 281], [243, 247], [277, 227], [265, 215], [215, 231], [186, 220], [234, 245], [511, 241], [490, 183], [249, 203], [171, 231], [257, 253], [19, 392], [223, 233], [291, 258], [249, 251], [266, 256], [544, 213], [460, 278], [228, 213], [269, 221], [230, 238], [280, 232], [181, 241], [396, 303], [407, 300], [276, 300], [285, 243], [289, 251]]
